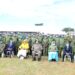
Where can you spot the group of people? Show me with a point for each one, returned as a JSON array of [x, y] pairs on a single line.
[[36, 50], [24, 51], [67, 52]]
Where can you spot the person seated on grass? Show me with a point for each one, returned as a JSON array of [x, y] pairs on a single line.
[[23, 49], [67, 51], [53, 52], [36, 50]]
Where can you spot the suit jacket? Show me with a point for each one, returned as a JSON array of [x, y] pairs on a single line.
[[68, 50], [37, 47]]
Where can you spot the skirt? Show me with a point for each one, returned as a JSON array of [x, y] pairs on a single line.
[[22, 53], [52, 55]]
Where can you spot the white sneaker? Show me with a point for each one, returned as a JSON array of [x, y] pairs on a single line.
[[2, 55], [21, 58]]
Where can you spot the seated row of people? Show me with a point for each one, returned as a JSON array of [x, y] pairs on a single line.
[[37, 50], [52, 51]]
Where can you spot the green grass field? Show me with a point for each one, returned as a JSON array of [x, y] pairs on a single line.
[[14, 66]]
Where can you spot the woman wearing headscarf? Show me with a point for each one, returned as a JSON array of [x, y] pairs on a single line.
[[53, 52]]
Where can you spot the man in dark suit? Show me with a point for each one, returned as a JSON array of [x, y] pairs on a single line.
[[9, 48], [68, 51]]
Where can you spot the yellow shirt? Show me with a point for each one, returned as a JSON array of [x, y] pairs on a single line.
[[24, 46]]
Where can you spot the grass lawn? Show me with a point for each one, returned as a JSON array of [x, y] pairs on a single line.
[[14, 66]]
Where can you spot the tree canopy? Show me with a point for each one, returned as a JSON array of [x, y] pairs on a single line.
[[68, 29]]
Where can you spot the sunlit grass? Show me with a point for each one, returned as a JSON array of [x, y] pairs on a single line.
[[14, 66]]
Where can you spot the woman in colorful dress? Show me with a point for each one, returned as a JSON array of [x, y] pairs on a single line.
[[53, 52], [23, 49]]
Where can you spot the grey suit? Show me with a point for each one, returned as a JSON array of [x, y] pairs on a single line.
[[36, 49]]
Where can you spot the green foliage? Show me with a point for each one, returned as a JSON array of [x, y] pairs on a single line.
[[68, 38]]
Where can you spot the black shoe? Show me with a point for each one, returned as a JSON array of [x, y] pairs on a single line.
[[62, 60], [33, 59], [72, 61], [39, 59]]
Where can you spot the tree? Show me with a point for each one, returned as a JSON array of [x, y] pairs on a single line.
[[68, 29]]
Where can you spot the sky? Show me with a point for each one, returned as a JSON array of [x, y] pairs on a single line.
[[22, 15]]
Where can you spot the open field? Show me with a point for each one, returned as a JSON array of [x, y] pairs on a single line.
[[14, 66]]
